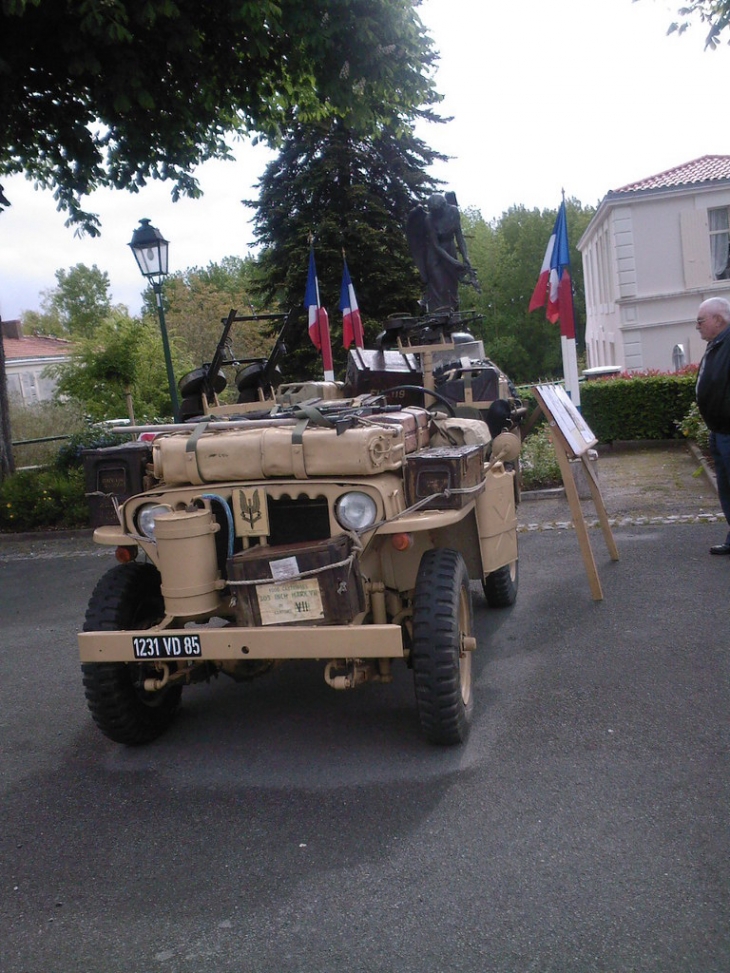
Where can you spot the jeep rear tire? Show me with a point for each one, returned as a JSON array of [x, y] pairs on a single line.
[[500, 586], [442, 664], [127, 597]]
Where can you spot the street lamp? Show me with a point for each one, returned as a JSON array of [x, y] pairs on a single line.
[[150, 251]]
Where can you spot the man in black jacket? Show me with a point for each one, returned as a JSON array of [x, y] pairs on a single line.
[[713, 396]]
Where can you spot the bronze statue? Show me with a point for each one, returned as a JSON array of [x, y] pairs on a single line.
[[434, 236]]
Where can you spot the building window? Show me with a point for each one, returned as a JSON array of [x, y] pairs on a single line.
[[719, 242]]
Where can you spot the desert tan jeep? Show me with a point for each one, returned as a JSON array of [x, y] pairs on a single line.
[[310, 526]]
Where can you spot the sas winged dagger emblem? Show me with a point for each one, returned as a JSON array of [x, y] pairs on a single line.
[[250, 512]]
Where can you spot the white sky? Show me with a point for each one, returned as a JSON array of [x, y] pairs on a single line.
[[581, 95]]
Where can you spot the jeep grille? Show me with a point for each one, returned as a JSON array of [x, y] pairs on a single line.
[[301, 518]]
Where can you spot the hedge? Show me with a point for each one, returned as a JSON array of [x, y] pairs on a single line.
[[637, 407], [42, 499], [646, 407]]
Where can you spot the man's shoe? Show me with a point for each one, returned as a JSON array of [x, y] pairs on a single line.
[[720, 549]]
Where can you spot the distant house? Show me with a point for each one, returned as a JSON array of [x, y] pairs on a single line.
[[26, 360], [653, 251]]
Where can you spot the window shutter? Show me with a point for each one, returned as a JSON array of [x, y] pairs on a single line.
[[695, 247]]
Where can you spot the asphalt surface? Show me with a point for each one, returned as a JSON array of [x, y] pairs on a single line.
[[280, 826]]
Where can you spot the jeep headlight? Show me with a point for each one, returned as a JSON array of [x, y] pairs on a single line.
[[146, 516], [356, 511]]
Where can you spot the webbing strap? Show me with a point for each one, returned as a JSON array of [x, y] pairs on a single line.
[[191, 454], [306, 411], [297, 448]]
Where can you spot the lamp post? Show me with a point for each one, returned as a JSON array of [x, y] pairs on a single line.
[[150, 251]]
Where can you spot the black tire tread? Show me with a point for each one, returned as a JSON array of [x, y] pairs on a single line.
[[126, 597], [442, 713], [500, 588]]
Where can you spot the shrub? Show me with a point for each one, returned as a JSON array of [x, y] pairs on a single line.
[[693, 427], [538, 464], [39, 499], [70, 456]]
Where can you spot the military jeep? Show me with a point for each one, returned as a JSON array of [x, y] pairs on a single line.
[[334, 522]]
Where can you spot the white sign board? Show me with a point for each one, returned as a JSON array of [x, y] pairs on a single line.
[[569, 421]]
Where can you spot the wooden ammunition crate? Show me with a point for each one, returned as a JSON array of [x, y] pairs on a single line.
[[277, 594], [371, 371], [444, 468], [475, 384]]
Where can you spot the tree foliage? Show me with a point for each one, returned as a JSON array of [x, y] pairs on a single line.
[[351, 195], [198, 300], [123, 354], [713, 14], [507, 255], [76, 307], [113, 92]]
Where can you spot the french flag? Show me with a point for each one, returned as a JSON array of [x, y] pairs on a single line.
[[319, 326], [351, 320], [554, 284]]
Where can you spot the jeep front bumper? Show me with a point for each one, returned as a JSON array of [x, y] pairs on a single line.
[[232, 643]]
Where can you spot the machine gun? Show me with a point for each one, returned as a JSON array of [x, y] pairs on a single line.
[[438, 327], [255, 381], [200, 388]]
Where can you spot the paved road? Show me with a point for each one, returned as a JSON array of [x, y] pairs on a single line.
[[283, 827]]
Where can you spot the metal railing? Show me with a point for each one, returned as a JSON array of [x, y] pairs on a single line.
[[34, 442]]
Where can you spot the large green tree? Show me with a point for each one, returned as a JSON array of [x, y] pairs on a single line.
[[114, 92], [199, 299], [75, 307], [124, 354], [351, 195]]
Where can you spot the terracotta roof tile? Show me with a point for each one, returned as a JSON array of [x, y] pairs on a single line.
[[708, 168], [37, 347]]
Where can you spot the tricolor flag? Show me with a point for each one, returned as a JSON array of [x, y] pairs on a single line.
[[351, 321], [554, 283], [319, 328], [554, 286]]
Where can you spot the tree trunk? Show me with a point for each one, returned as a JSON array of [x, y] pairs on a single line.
[[7, 466]]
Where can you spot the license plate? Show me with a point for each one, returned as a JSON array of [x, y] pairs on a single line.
[[166, 646]]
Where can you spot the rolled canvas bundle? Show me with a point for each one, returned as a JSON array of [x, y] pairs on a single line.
[[277, 451]]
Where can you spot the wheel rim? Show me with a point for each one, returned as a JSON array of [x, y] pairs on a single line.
[[464, 655]]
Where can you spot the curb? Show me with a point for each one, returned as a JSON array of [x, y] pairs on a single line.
[[546, 494], [639, 521], [71, 534], [707, 469]]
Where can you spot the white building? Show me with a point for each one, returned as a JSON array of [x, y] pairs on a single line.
[[652, 253], [26, 359]]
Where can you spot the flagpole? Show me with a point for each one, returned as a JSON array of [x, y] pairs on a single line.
[[570, 369], [324, 336], [568, 345]]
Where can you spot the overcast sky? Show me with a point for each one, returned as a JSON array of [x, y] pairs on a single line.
[[580, 95]]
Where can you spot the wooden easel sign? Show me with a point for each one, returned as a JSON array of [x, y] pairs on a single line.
[[572, 438]]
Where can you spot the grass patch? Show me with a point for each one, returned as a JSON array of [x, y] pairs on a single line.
[[38, 422]]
